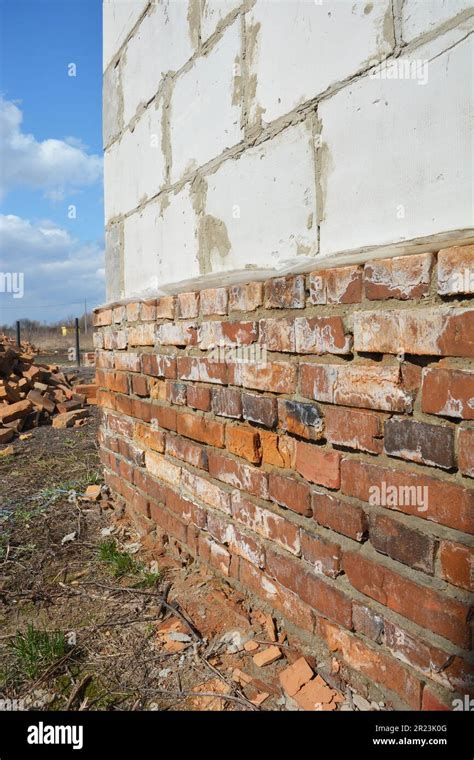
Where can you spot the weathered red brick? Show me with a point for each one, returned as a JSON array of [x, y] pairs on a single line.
[[438, 665], [229, 334], [423, 605], [246, 297], [243, 442], [266, 523], [290, 493], [187, 305], [373, 663], [341, 516], [165, 307], [177, 334], [280, 598], [191, 453], [354, 428], [412, 493], [238, 542], [176, 393], [277, 450], [146, 436], [227, 402], [456, 270], [159, 365], [102, 317], [142, 334], [201, 429], [139, 385], [318, 465], [206, 491], [119, 314], [324, 555], [130, 362], [187, 510], [457, 564], [162, 468], [285, 293], [259, 409], [239, 475], [367, 621], [300, 419], [321, 335], [201, 370], [420, 442], [438, 331], [336, 285], [402, 277], [466, 451], [214, 301], [311, 588], [163, 416], [199, 397], [148, 310], [361, 385], [278, 334], [133, 311], [402, 543], [277, 377], [448, 392]]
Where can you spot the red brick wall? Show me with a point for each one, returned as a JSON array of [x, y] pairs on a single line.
[[334, 481]]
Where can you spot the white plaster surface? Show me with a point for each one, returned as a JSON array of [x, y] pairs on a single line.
[[424, 17], [160, 245], [135, 165], [214, 11], [205, 110], [303, 47], [119, 17], [267, 201], [397, 156], [162, 43]]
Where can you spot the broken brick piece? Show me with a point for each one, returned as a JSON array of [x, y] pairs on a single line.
[[267, 656], [297, 675]]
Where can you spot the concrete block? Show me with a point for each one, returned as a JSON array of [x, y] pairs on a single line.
[[163, 42], [396, 152], [205, 106], [179, 259], [112, 105], [119, 18], [298, 49], [214, 13], [260, 209], [143, 242], [160, 245], [114, 262], [423, 18], [135, 165]]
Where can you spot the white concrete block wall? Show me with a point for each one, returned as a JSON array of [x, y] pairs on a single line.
[[261, 208], [249, 136], [301, 48], [419, 18], [205, 106], [395, 150], [162, 43]]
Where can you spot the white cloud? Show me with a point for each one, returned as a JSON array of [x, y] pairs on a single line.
[[57, 268], [56, 167]]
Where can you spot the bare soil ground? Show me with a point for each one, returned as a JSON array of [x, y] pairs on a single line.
[[90, 621]]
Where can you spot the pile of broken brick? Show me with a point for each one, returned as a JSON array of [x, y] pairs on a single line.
[[300, 687], [33, 394]]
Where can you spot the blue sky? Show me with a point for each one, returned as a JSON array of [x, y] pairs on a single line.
[[51, 196]]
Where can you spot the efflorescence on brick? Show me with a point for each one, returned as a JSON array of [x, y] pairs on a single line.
[[332, 480]]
